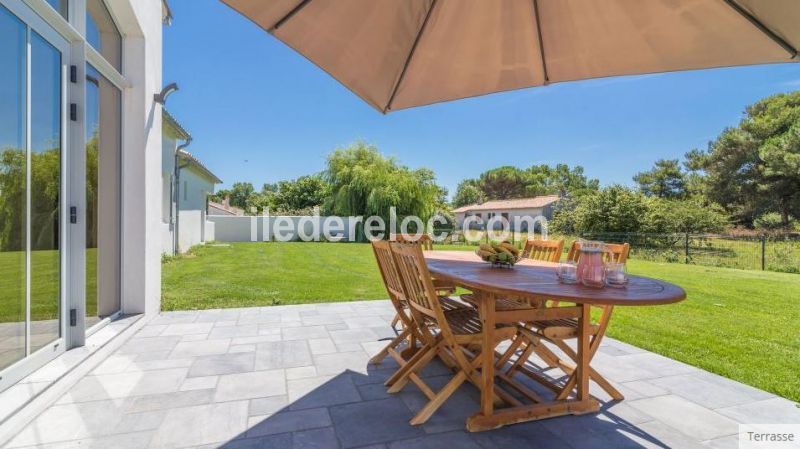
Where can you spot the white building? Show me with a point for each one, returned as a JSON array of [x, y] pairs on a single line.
[[522, 210], [81, 185], [187, 183]]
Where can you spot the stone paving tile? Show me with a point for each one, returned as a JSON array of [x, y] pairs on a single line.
[[136, 383], [268, 406], [212, 365], [687, 417], [458, 440], [282, 354], [321, 346], [370, 422], [187, 329], [202, 424], [167, 401], [199, 383], [322, 392], [303, 332], [256, 384], [149, 344], [324, 438], [708, 394], [198, 348], [247, 330], [302, 372], [288, 421], [769, 411]]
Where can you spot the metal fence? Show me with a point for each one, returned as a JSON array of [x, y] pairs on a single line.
[[748, 252], [759, 252]]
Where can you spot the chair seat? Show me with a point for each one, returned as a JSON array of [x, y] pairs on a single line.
[[451, 304], [501, 304], [559, 329], [465, 322]]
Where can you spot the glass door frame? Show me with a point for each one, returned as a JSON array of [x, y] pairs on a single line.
[[18, 370]]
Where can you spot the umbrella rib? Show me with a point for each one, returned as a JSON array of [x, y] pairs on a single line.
[[289, 15], [763, 28], [541, 42], [410, 55]]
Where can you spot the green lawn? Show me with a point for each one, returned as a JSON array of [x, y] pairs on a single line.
[[744, 325], [45, 284]]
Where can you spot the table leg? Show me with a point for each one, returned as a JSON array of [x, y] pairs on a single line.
[[583, 352], [487, 307]]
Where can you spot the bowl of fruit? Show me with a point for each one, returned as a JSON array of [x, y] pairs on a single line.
[[499, 254]]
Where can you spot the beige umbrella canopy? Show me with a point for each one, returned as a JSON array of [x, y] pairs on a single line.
[[399, 54]]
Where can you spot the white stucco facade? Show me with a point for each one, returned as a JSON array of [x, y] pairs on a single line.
[[184, 195]]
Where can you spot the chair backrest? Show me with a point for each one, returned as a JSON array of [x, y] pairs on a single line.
[[418, 285], [615, 252], [546, 250], [389, 273], [425, 241]]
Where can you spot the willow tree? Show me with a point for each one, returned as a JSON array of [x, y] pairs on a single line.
[[363, 182]]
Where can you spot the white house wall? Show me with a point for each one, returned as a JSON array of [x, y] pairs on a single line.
[[512, 214], [140, 22]]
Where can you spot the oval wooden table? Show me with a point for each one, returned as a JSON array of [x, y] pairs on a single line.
[[537, 281]]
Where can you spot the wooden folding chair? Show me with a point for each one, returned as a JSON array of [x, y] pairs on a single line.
[[457, 330], [426, 242], [393, 284], [547, 250], [558, 331]]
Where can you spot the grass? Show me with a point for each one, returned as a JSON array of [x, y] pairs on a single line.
[[45, 284], [744, 325]]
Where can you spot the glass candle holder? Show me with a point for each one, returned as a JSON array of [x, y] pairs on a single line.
[[616, 275], [568, 272]]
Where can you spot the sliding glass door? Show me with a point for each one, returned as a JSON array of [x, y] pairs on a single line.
[[32, 82]]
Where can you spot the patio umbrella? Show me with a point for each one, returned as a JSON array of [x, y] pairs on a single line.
[[399, 54]]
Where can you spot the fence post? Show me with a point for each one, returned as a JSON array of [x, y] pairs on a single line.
[[763, 252], [686, 248]]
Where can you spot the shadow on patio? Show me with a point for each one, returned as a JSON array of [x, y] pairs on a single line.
[[353, 410]]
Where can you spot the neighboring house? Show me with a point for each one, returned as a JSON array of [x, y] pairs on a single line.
[[185, 190], [224, 208], [522, 209]]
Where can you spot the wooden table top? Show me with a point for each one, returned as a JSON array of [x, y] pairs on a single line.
[[537, 280]]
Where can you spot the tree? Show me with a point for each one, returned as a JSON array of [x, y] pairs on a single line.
[[302, 193], [468, 192], [561, 180], [364, 182], [665, 216], [503, 183], [664, 180], [612, 209], [240, 193], [511, 182], [755, 168]]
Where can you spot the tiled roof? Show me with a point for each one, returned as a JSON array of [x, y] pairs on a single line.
[[232, 210], [518, 203], [193, 161]]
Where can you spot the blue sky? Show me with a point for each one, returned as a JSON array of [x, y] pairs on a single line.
[[260, 112]]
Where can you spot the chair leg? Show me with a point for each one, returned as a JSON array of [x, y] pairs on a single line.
[[423, 415], [397, 384], [395, 320], [378, 358]]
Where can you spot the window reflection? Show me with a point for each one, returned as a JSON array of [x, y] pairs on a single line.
[[45, 192], [102, 33], [62, 6], [102, 196], [13, 168]]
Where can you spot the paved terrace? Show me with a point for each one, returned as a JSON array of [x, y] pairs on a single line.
[[298, 377]]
